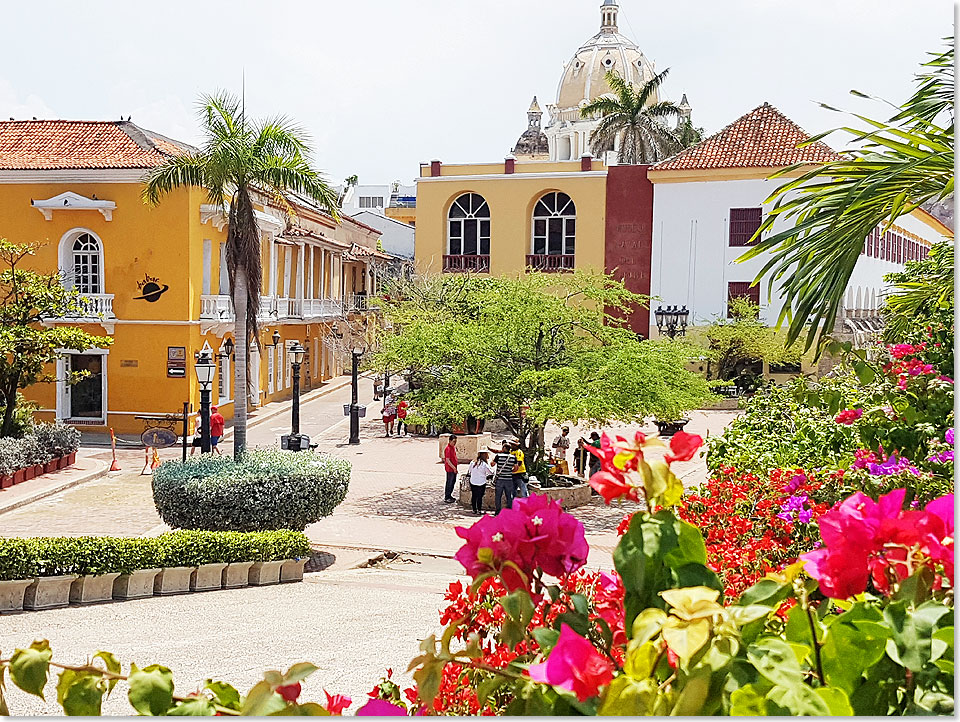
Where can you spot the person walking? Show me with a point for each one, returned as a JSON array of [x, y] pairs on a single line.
[[402, 407], [216, 428], [377, 388], [594, 460], [480, 473], [450, 462], [504, 462], [519, 470], [196, 443], [562, 443], [389, 414], [580, 456]]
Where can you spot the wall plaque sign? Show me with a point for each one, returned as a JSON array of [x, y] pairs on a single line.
[[176, 362]]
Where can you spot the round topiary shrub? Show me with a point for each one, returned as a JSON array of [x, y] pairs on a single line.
[[266, 489]]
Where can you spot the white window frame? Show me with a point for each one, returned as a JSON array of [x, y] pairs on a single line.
[[270, 366], [67, 263], [223, 375], [63, 398], [470, 214], [279, 383], [568, 239], [207, 265]]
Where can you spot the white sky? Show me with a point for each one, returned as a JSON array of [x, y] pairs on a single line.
[[382, 85]]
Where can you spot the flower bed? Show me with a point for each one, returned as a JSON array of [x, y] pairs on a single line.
[[46, 448], [266, 489]]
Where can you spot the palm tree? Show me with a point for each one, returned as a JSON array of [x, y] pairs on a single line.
[[238, 160], [895, 167], [638, 123]]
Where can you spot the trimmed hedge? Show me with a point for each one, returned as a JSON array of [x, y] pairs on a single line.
[[42, 444], [266, 489], [52, 556]]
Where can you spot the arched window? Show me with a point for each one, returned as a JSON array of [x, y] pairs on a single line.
[[81, 262], [468, 234], [554, 226]]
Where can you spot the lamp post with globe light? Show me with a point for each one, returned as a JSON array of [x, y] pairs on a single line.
[[205, 369]]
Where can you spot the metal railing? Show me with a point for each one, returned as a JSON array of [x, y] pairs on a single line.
[[466, 264], [550, 263], [357, 302]]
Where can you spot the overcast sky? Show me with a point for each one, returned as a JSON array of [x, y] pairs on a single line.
[[383, 85]]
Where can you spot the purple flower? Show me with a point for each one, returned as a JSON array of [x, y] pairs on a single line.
[[893, 465], [805, 516], [942, 458], [948, 437]]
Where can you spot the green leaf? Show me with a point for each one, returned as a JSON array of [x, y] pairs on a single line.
[[647, 624], [511, 632], [194, 707], [519, 606], [428, 680], [299, 672], [748, 701], [693, 694], [80, 693], [911, 643], [225, 695], [796, 699], [112, 664], [766, 592], [546, 638], [577, 622], [579, 604], [836, 700], [848, 650], [261, 701], [488, 687], [942, 643], [626, 697], [639, 661], [29, 667], [151, 689], [865, 373], [775, 660]]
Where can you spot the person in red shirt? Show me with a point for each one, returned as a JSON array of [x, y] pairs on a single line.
[[450, 462], [216, 428], [401, 416]]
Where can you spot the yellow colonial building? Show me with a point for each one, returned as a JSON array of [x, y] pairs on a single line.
[[155, 279]]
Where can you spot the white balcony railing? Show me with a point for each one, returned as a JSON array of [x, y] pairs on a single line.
[[357, 302], [283, 307], [321, 308], [94, 305], [268, 308], [215, 308]]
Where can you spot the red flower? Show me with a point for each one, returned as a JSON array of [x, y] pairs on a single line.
[[683, 446], [848, 416], [336, 703], [613, 486], [289, 692], [573, 665]]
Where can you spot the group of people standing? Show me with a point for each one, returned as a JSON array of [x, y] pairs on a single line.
[[583, 460], [395, 409], [507, 471]]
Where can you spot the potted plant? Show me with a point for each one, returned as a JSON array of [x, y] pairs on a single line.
[[174, 575], [669, 428], [96, 563], [294, 550], [241, 550], [59, 440], [55, 564], [266, 566], [17, 572], [138, 568]]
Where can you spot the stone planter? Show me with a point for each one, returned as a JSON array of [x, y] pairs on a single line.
[[569, 496], [262, 573], [11, 594], [89, 589], [48, 592], [19, 476], [669, 428], [207, 576], [172, 580], [236, 574], [50, 467], [291, 570], [467, 446], [135, 585], [6, 481]]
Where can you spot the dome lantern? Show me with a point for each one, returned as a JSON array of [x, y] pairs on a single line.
[[608, 16]]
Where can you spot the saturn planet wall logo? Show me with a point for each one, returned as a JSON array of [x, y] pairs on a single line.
[[150, 289]]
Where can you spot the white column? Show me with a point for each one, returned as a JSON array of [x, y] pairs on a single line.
[[310, 290], [300, 274], [323, 290], [273, 266], [207, 264]]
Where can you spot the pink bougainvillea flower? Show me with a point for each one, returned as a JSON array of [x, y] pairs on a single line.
[[683, 446], [500, 535], [839, 576], [336, 703], [937, 528], [554, 541], [381, 708], [575, 665], [848, 416]]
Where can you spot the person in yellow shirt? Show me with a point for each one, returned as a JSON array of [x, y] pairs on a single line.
[[519, 470]]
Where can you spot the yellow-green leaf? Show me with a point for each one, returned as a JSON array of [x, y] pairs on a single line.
[[29, 667], [686, 638]]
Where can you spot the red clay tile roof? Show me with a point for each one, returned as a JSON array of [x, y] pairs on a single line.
[[763, 138], [61, 144]]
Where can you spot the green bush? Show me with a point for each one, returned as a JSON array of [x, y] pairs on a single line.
[[39, 445], [53, 556], [266, 489]]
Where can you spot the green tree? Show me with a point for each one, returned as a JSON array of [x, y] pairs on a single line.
[[240, 159], [638, 122], [895, 167], [27, 347], [733, 344], [531, 349]]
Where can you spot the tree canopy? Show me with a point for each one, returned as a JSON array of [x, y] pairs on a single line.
[[531, 349], [894, 168], [27, 347]]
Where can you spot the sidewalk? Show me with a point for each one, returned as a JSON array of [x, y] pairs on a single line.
[[85, 469]]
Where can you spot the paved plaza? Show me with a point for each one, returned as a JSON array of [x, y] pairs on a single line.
[[338, 618]]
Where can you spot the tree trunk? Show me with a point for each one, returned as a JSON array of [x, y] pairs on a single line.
[[10, 405], [241, 342]]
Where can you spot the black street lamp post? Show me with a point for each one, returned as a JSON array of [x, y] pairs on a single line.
[[354, 398], [672, 321], [295, 441], [205, 369]]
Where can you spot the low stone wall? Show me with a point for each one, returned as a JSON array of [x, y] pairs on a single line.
[[569, 497]]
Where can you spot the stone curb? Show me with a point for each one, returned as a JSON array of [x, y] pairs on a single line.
[[101, 470], [383, 550]]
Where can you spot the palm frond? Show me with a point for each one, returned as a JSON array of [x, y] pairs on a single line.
[[177, 172]]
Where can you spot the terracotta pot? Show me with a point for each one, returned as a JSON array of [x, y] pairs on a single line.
[[262, 573], [6, 481], [61, 462], [37, 470], [135, 585], [29, 472], [71, 458], [89, 589], [19, 476], [291, 570], [172, 580], [207, 576], [236, 574], [11, 594], [51, 466], [48, 592]]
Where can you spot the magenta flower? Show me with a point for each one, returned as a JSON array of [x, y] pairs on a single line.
[[381, 708], [573, 665], [948, 436], [848, 416]]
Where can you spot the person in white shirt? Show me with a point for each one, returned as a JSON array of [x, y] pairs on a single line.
[[480, 472]]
